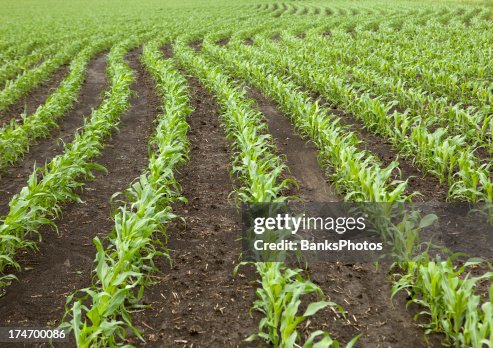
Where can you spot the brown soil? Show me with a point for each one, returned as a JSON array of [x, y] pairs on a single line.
[[362, 290], [485, 156], [223, 41], [301, 155], [196, 45], [198, 302], [14, 178], [31, 101], [167, 51], [364, 293], [64, 262]]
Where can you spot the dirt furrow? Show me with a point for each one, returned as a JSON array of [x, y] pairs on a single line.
[[198, 302], [64, 262], [30, 102], [14, 178], [301, 155]]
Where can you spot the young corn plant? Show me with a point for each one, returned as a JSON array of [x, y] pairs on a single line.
[[448, 295], [280, 292], [13, 67]]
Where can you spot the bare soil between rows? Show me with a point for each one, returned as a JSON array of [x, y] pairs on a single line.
[[65, 261], [299, 155]]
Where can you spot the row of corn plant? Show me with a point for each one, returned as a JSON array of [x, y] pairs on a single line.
[[100, 315], [17, 47], [29, 79], [354, 171], [258, 170], [256, 161], [16, 138], [447, 157], [13, 67], [38, 203], [447, 294], [16, 43]]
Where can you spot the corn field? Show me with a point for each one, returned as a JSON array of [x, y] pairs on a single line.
[[131, 133]]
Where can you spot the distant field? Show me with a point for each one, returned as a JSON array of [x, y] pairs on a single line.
[[132, 131]]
